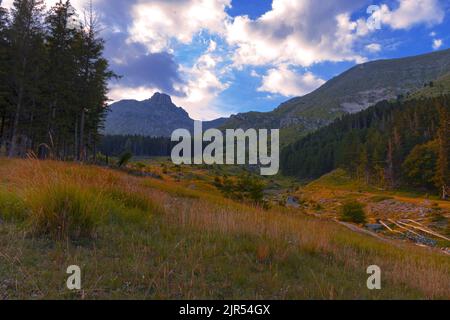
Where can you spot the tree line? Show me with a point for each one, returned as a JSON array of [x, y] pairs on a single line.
[[53, 81], [137, 145], [392, 144]]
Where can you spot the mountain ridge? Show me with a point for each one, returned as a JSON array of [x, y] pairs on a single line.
[[154, 117], [352, 91]]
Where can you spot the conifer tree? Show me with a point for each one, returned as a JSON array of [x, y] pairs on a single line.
[[25, 35], [4, 46]]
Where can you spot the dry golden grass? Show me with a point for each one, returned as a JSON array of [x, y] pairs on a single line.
[[274, 244]]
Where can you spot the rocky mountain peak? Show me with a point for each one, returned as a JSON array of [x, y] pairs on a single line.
[[161, 99]]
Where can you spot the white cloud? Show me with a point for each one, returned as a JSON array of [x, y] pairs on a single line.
[[284, 81], [411, 13], [156, 23], [254, 74], [296, 32], [373, 47], [117, 93], [202, 86], [437, 44]]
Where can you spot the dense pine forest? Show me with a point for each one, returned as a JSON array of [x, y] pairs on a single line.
[[393, 144], [137, 145], [53, 82]]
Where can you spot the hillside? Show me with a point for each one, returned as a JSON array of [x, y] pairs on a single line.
[[434, 89], [154, 117], [403, 143], [354, 90], [163, 238]]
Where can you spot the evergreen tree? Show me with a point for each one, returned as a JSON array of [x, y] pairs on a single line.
[[4, 47], [92, 86], [53, 81], [62, 73], [26, 36]]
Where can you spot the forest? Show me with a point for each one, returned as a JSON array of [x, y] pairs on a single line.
[[137, 145], [392, 144], [53, 81]]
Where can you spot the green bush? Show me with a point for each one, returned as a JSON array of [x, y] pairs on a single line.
[[353, 211], [244, 188]]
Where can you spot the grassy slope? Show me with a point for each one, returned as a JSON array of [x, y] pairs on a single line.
[[155, 239], [440, 87]]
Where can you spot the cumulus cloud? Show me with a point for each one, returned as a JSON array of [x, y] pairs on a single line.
[[202, 85], [411, 13], [156, 23], [284, 81], [297, 32], [158, 70]]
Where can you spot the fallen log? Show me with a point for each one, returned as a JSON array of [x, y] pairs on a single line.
[[426, 231], [389, 228]]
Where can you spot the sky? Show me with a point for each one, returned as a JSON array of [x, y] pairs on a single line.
[[222, 57]]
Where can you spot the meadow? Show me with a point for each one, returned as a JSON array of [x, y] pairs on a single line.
[[155, 237]]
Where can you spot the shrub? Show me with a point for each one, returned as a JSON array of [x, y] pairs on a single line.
[[64, 212], [124, 159], [353, 211], [244, 188]]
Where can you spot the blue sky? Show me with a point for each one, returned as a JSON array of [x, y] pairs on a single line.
[[220, 57]]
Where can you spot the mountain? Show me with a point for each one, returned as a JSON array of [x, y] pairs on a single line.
[[154, 117], [356, 89]]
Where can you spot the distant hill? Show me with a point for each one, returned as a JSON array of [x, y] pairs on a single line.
[[155, 117], [356, 89]]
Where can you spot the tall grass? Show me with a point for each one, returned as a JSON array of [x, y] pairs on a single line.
[[71, 201], [68, 201], [64, 211]]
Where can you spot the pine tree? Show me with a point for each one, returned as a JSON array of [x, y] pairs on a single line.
[[62, 73], [4, 47], [91, 87], [26, 34]]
